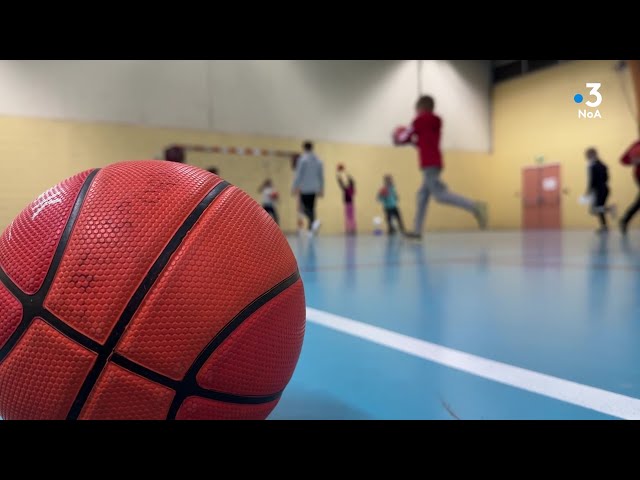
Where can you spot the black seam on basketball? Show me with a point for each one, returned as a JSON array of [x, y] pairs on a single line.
[[68, 331], [143, 371], [12, 287], [37, 310], [139, 295], [160, 379], [189, 384], [66, 234], [25, 321], [32, 304]]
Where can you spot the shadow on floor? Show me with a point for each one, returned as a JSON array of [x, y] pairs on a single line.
[[314, 405]]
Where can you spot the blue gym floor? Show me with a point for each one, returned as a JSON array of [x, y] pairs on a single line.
[[540, 325]]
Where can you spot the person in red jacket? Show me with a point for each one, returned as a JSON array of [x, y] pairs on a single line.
[[631, 157], [424, 133]]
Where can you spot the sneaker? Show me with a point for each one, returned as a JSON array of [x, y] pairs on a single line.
[[613, 211], [315, 226], [623, 227], [481, 215], [413, 235]]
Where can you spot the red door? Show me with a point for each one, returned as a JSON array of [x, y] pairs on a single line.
[[541, 197]]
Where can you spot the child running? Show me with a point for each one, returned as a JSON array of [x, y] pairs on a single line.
[[631, 157], [424, 133]]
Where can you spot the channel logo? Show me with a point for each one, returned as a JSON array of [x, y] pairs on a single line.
[[592, 111]]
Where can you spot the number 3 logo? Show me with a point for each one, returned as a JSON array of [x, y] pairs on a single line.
[[594, 91]]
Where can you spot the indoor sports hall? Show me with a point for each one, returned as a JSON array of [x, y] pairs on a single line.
[[319, 239]]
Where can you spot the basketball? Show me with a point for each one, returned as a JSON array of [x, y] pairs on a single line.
[[146, 290], [397, 133], [340, 167]]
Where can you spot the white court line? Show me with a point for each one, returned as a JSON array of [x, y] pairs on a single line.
[[567, 391]]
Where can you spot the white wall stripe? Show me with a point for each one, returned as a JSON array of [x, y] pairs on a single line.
[[585, 396]]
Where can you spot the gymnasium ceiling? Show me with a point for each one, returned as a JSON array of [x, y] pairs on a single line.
[[504, 69]]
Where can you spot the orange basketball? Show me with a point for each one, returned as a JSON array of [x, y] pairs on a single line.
[[146, 290]]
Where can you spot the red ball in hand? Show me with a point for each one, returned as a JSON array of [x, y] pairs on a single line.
[[398, 134]]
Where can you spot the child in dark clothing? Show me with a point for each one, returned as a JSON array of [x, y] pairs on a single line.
[[349, 189], [389, 199], [598, 189]]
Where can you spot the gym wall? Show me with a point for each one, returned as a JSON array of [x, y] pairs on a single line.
[[47, 133], [59, 117], [331, 100], [535, 115], [38, 153]]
